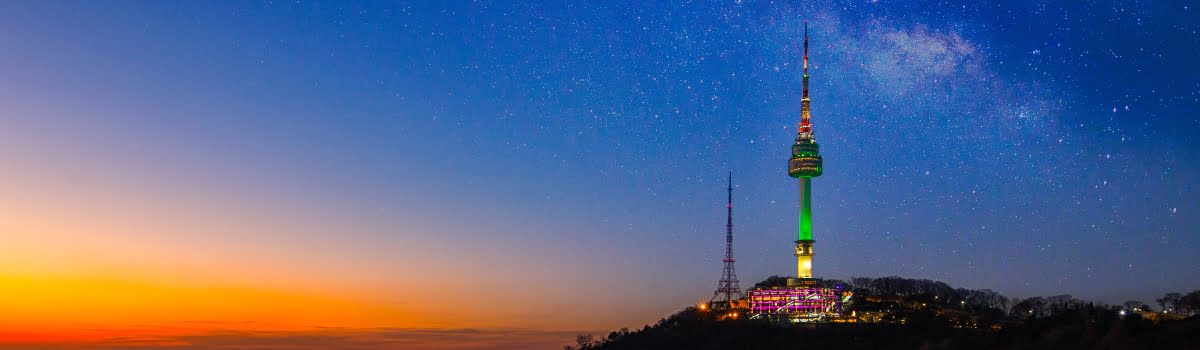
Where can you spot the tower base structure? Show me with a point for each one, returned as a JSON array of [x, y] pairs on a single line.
[[802, 282], [802, 300], [804, 255]]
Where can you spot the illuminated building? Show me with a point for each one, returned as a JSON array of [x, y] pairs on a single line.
[[798, 300], [803, 299]]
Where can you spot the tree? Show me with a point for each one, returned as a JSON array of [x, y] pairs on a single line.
[[1171, 299], [861, 283], [1031, 307], [984, 298], [585, 341], [1059, 304], [1132, 304], [1189, 304], [616, 335]]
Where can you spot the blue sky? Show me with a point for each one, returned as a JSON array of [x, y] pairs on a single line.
[[580, 150]]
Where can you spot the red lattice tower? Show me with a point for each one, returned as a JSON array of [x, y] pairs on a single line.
[[728, 287]]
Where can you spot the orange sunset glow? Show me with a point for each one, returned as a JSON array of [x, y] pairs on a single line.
[[49, 307]]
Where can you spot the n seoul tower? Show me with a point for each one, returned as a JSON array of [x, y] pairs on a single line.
[[805, 164]]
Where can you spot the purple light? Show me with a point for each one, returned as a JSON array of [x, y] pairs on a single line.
[[792, 300]]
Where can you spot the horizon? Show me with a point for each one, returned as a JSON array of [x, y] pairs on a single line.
[[177, 174]]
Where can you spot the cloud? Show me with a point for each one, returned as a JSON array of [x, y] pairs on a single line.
[[903, 61], [920, 54], [936, 75]]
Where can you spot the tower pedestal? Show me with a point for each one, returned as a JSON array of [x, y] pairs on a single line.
[[802, 282], [804, 256]]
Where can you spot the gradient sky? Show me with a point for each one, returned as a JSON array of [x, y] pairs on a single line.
[[172, 170]]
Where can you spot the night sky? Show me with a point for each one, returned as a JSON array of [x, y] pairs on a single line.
[[493, 165]]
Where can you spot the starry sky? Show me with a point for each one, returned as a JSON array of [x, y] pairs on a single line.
[[435, 166]]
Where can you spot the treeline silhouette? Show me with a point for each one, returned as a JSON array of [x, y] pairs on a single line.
[[925, 314]]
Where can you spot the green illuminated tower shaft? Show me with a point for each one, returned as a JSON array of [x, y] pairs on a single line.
[[805, 164], [805, 229]]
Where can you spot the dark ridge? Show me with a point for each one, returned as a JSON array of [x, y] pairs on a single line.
[[925, 314]]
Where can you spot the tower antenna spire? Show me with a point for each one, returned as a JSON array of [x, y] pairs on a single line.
[[730, 199], [806, 56], [728, 287], [805, 127]]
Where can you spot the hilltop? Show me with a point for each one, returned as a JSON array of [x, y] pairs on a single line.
[[899, 313]]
